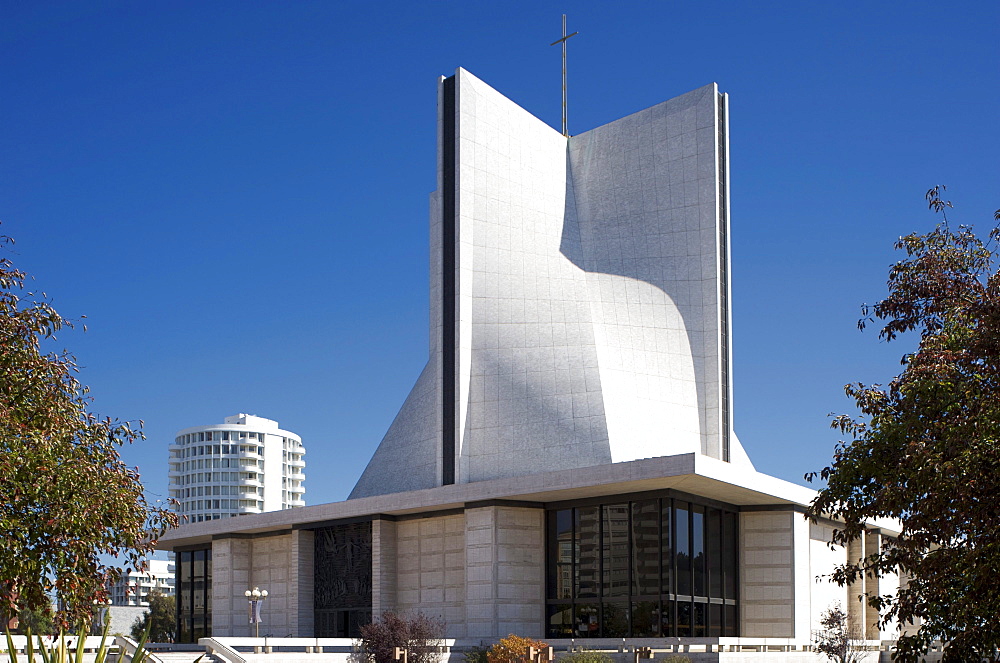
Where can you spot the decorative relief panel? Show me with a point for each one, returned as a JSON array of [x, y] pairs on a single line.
[[343, 589]]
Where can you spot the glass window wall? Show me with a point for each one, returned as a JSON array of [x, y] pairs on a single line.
[[194, 594], [656, 567]]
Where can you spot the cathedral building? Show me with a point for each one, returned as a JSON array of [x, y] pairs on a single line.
[[565, 466]]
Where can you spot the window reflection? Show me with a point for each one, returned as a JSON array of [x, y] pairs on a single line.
[[714, 556], [646, 548], [561, 550], [588, 622], [682, 544], [615, 551], [560, 621], [698, 619], [683, 619], [194, 587], [588, 528], [659, 566], [698, 550], [645, 619], [615, 620]]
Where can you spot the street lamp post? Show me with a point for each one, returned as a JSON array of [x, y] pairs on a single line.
[[255, 596]]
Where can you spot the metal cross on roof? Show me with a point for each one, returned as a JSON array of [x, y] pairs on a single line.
[[563, 42]]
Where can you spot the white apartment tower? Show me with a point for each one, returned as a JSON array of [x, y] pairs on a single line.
[[134, 588], [244, 465]]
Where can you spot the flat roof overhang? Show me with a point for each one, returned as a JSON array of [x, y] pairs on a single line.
[[691, 473]]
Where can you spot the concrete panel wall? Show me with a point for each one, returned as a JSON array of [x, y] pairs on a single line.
[[231, 560], [528, 385], [302, 582], [767, 574], [281, 564], [646, 193], [430, 569], [591, 295], [384, 565], [272, 568], [122, 617], [506, 571]]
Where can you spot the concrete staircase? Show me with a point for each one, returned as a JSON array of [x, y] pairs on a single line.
[[186, 656]]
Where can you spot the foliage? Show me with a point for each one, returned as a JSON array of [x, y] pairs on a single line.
[[926, 449], [66, 497], [476, 654], [676, 658], [587, 656], [159, 620], [512, 649], [35, 621], [420, 635], [838, 640]]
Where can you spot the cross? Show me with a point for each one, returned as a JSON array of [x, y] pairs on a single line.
[[563, 42]]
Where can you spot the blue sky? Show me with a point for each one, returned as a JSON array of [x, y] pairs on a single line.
[[235, 193]]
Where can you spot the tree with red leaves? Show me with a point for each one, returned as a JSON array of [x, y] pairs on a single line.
[[421, 636], [926, 449]]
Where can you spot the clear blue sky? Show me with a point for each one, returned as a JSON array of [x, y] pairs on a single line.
[[235, 193]]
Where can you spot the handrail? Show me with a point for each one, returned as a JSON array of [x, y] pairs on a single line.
[[128, 647], [214, 647]]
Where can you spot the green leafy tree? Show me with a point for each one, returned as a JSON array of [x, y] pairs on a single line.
[[35, 621], [67, 501], [926, 449], [160, 620]]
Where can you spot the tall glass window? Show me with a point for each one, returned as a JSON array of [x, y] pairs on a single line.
[[588, 532], [194, 594], [659, 566], [646, 548], [561, 550], [615, 549]]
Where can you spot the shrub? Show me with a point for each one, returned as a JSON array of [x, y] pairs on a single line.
[[587, 656], [477, 654], [676, 658], [420, 635], [512, 649], [838, 639]]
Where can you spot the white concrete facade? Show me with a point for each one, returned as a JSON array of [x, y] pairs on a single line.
[[579, 359], [581, 294], [474, 553], [245, 465]]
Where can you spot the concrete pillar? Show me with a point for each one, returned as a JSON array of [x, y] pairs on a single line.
[[302, 582], [856, 618], [505, 571], [873, 543], [384, 551], [222, 587], [768, 579]]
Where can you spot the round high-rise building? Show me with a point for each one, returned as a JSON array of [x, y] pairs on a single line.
[[244, 465]]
